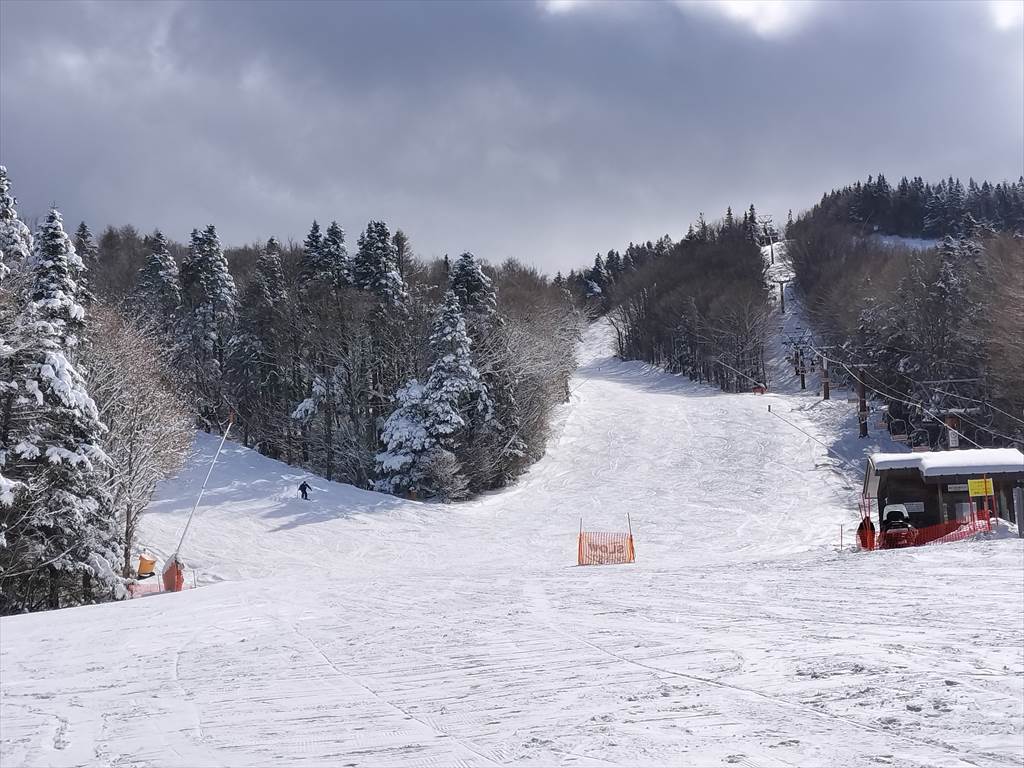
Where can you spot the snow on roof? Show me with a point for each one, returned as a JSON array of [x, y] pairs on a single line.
[[974, 461]]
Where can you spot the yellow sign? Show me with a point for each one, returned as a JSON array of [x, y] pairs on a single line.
[[980, 488]]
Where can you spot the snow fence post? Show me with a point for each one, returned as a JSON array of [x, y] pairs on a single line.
[[579, 545]]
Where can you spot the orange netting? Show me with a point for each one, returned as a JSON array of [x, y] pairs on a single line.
[[599, 548], [897, 537], [143, 588]]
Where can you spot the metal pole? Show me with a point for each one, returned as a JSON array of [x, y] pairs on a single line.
[[862, 404], [188, 524], [825, 392]]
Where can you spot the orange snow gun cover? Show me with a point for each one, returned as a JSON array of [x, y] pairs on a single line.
[[600, 548]]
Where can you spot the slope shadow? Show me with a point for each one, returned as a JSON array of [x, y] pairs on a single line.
[[255, 476]]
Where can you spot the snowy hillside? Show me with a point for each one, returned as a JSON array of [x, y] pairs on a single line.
[[361, 629]]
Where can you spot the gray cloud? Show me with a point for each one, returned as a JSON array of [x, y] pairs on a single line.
[[504, 128]]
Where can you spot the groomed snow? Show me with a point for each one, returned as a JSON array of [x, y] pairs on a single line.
[[361, 629], [973, 461]]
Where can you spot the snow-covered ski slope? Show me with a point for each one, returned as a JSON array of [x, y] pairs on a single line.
[[359, 629]]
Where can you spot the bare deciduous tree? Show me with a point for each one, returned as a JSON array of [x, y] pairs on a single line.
[[150, 428]]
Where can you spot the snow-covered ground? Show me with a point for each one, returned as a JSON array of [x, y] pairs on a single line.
[[360, 629], [913, 243]]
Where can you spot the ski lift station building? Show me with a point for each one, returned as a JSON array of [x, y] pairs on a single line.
[[936, 487]]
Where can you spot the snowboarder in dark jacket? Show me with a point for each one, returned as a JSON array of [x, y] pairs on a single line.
[[304, 489]]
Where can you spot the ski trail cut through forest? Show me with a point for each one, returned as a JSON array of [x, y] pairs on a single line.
[[362, 629]]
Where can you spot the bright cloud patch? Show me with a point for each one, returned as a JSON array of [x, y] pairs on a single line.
[[766, 18], [1007, 14]]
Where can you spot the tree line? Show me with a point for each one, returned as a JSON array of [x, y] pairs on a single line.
[[920, 209], [698, 306], [432, 379], [936, 332]]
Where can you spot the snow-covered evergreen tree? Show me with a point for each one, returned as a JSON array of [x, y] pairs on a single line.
[[472, 286], [334, 256], [85, 247], [254, 360], [60, 542], [402, 466], [15, 237], [454, 394], [158, 291], [374, 269], [438, 418], [55, 266], [209, 304], [311, 268], [403, 252]]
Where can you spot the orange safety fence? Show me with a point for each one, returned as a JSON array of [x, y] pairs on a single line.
[[143, 588], [601, 548]]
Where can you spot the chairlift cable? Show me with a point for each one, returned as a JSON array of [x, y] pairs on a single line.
[[929, 385], [891, 396], [882, 386], [843, 459]]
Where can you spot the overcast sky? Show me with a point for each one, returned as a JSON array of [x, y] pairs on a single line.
[[541, 130]]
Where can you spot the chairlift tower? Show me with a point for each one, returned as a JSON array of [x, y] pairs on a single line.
[[768, 229]]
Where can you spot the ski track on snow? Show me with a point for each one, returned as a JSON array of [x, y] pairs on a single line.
[[358, 629]]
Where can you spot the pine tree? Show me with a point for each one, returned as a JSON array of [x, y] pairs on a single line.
[[157, 293], [55, 267], [374, 269], [750, 228], [703, 231], [403, 252], [334, 257], [256, 353], [428, 434], [312, 254], [454, 394], [15, 238], [472, 286], [208, 315], [325, 261], [403, 467], [85, 247], [66, 542], [597, 279]]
